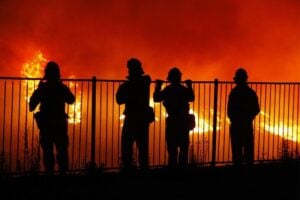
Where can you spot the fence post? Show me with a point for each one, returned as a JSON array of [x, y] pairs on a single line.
[[93, 125], [214, 138]]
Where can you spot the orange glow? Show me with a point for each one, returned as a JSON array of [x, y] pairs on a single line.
[[202, 126], [206, 39], [34, 69], [74, 110], [286, 130], [281, 129]]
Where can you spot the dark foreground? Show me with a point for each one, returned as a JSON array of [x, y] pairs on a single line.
[[262, 181]]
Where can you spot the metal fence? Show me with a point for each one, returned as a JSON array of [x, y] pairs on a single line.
[[96, 120]]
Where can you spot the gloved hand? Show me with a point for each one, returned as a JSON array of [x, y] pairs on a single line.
[[159, 83], [188, 83]]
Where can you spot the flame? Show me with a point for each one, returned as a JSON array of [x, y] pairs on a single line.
[[75, 109], [202, 125], [281, 129], [289, 132], [34, 69]]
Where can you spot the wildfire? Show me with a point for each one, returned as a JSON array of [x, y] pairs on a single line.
[[202, 125], [74, 110], [289, 132], [281, 129], [34, 69]]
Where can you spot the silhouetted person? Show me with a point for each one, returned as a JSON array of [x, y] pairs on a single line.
[[176, 98], [52, 95], [134, 93], [242, 108]]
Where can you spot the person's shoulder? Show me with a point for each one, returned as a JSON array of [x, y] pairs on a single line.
[[169, 87], [147, 78], [180, 87], [183, 86], [124, 84], [62, 84], [234, 90], [250, 89], [42, 85], [252, 92]]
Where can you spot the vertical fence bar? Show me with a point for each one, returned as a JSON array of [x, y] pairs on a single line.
[[80, 125], [100, 121], [214, 139], [11, 127], [3, 129], [93, 125], [18, 163]]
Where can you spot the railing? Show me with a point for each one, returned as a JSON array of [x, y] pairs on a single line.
[[95, 125]]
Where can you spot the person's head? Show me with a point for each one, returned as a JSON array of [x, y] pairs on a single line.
[[241, 76], [174, 75], [134, 67], [52, 71]]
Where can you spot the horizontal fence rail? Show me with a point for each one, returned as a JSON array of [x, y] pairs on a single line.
[[95, 124]]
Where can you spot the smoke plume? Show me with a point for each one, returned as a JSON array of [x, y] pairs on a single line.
[[206, 39]]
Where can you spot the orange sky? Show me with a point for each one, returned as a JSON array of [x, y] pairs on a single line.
[[207, 39]]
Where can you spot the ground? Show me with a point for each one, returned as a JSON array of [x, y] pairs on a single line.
[[261, 181]]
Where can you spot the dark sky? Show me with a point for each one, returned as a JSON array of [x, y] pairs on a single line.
[[206, 39]]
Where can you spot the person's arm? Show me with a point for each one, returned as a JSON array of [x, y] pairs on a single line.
[[146, 90], [158, 94], [190, 91], [69, 96], [34, 100], [147, 79], [256, 108], [122, 94], [230, 108]]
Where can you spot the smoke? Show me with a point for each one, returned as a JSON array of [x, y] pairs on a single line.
[[206, 39]]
